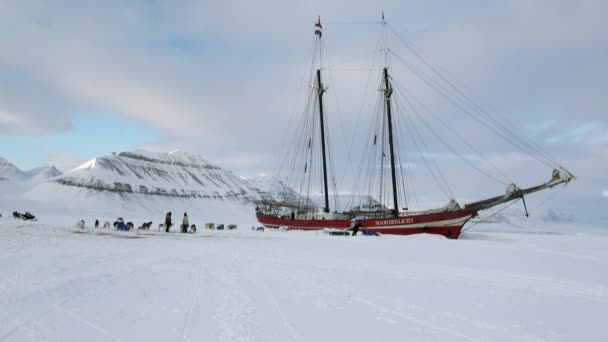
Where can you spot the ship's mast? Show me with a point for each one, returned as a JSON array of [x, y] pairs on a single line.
[[320, 91], [388, 91], [387, 95]]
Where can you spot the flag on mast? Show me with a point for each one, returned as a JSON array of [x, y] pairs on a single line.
[[318, 28]]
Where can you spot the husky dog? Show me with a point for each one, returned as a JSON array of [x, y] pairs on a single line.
[[80, 224], [145, 225], [106, 224]]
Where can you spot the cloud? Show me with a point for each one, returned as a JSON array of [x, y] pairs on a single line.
[[580, 132]]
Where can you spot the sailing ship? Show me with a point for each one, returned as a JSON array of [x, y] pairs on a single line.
[[298, 210], [310, 158]]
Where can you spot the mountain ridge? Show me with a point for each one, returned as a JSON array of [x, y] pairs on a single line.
[[10, 172], [158, 174]]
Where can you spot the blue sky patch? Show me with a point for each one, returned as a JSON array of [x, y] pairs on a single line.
[[90, 135]]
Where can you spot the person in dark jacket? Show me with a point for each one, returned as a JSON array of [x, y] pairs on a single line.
[[168, 223], [120, 224], [96, 223], [356, 228]]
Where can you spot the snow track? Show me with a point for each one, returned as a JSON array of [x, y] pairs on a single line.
[[294, 286], [197, 290]]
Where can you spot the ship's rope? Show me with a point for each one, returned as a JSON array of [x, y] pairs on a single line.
[[510, 135], [550, 197], [449, 96], [405, 192], [362, 180], [291, 147], [410, 95], [488, 217], [355, 196], [440, 139], [430, 163]]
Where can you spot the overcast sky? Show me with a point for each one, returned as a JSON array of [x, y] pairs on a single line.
[[79, 79]]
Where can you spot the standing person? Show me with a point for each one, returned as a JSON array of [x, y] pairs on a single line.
[[356, 227], [168, 222], [96, 223], [185, 223]]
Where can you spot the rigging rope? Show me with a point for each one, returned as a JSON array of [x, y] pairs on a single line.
[[444, 142], [410, 95], [350, 202], [548, 199], [446, 95], [486, 218], [416, 134], [288, 147], [531, 149]]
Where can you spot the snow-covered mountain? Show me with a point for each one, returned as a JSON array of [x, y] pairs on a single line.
[[11, 173], [176, 174], [43, 172], [143, 181], [270, 187]]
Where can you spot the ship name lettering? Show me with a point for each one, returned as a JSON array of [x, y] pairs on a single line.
[[394, 221]]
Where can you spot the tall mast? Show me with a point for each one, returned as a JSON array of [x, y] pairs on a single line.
[[320, 91], [388, 91]]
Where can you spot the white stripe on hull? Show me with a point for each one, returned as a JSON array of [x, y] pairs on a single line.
[[444, 223], [296, 227]]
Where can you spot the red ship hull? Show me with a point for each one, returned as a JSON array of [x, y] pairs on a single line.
[[448, 224], [271, 221]]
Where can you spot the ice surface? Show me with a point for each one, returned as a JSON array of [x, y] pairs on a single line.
[[97, 285]]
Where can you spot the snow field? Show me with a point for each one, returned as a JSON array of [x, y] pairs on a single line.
[[58, 285]]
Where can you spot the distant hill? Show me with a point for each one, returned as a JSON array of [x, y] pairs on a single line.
[[11, 173]]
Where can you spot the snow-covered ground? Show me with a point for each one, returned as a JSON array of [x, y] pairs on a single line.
[[58, 285]]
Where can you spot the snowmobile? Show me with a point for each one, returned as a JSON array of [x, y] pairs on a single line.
[[26, 217]]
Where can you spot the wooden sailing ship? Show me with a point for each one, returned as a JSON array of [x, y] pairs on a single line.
[[301, 212]]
